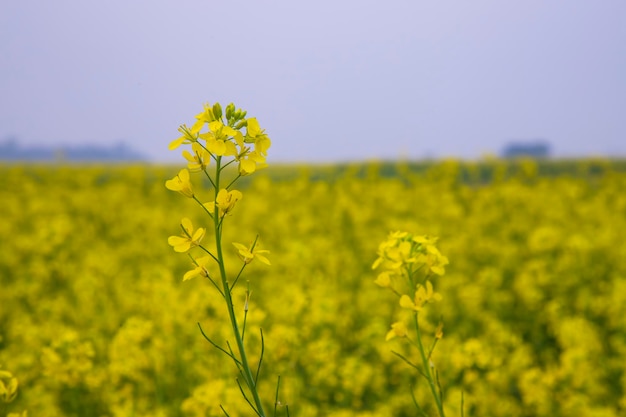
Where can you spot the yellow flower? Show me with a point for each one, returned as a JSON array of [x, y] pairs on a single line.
[[247, 254], [439, 331], [200, 269], [8, 386], [383, 279], [188, 135], [397, 330], [423, 295], [181, 183], [225, 202], [250, 161], [189, 238], [218, 140], [200, 158], [208, 114]]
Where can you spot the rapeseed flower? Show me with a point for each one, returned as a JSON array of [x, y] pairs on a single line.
[[218, 139], [189, 238], [247, 254], [225, 202], [181, 184], [199, 160], [200, 269], [8, 386], [189, 135], [423, 295], [398, 329], [383, 279]]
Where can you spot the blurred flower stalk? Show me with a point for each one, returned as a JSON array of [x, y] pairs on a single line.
[[408, 264]]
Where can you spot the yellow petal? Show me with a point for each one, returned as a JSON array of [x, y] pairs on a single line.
[[406, 302]]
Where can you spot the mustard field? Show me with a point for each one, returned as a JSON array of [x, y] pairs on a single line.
[[95, 319]]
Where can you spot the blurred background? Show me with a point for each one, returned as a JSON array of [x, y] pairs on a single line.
[[330, 81]]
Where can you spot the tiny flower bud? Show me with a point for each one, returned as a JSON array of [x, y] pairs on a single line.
[[229, 111]]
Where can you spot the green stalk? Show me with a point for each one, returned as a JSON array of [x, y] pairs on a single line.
[[247, 372], [427, 370]]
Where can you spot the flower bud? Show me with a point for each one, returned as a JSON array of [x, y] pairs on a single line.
[[217, 111], [229, 111]]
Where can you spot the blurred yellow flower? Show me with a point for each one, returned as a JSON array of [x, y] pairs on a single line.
[[439, 331], [8, 386], [189, 238], [383, 279], [181, 183], [423, 295], [398, 329]]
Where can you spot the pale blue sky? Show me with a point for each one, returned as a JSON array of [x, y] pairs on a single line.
[[329, 80]]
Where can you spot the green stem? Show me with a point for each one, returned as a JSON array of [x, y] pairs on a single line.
[[427, 369], [246, 371]]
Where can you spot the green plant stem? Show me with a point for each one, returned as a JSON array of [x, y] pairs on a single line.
[[246, 371], [427, 369]]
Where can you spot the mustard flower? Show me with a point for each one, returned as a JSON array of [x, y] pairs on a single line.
[[250, 161], [208, 114], [218, 140], [434, 260], [247, 254], [8, 386], [225, 202], [189, 135], [200, 269], [383, 279], [439, 331], [257, 136], [189, 238], [181, 183], [397, 330], [199, 160], [423, 295]]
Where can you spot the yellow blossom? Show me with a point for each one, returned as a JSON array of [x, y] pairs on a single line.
[[247, 254], [189, 238], [397, 330], [423, 295], [439, 331], [181, 183], [218, 141], [8, 386], [200, 158], [383, 279], [200, 269], [225, 202], [188, 136]]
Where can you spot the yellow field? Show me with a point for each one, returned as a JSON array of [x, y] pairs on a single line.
[[96, 321]]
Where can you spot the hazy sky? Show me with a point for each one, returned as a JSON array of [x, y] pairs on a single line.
[[329, 80]]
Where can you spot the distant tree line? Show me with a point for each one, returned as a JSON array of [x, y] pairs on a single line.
[[11, 150]]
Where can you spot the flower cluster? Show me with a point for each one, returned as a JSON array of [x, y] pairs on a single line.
[[225, 138]]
